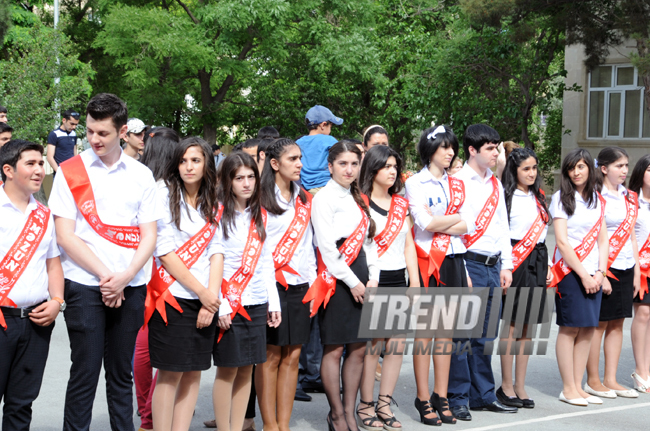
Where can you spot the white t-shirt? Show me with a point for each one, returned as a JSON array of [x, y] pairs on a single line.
[[523, 213], [393, 258], [615, 212]]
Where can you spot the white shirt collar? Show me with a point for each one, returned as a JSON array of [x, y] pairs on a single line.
[[427, 176], [338, 189], [519, 192], [5, 201], [620, 191], [95, 160], [279, 197]]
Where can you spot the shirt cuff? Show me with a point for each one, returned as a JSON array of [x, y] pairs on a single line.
[[224, 308], [470, 221], [373, 273], [507, 264], [351, 280]]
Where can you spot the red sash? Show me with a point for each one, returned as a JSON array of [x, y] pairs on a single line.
[[485, 216], [623, 232], [396, 217], [82, 192], [13, 264], [430, 263], [158, 288], [644, 264], [525, 246], [560, 269], [287, 246], [325, 285], [232, 289]]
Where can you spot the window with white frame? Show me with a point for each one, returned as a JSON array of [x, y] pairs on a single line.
[[616, 106]]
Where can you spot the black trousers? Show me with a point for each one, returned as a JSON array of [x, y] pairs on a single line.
[[24, 347], [98, 333]]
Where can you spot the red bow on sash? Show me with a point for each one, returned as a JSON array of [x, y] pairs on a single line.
[[485, 216], [13, 264], [288, 245], [525, 246], [624, 230], [158, 288], [77, 178]]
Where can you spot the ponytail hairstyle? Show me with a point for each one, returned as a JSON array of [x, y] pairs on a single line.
[[434, 138], [606, 157], [375, 160], [636, 180], [159, 144], [373, 130], [206, 200], [275, 151], [568, 189], [516, 157], [228, 170], [335, 151]]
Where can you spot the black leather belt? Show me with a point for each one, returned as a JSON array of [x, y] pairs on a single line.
[[484, 259], [22, 312]]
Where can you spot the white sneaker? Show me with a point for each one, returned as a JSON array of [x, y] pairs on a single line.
[[603, 394], [575, 401]]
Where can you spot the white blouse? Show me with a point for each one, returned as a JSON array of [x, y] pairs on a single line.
[[642, 227], [615, 212], [578, 225], [261, 288], [336, 215], [171, 239], [393, 258], [304, 258], [523, 213]]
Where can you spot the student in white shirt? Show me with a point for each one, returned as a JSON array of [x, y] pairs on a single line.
[[619, 290], [28, 308], [529, 218], [381, 181], [576, 211], [339, 213], [181, 342], [430, 198], [288, 208], [105, 284], [248, 265], [640, 330]]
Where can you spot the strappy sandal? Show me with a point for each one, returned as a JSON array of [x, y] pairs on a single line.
[[440, 406], [389, 421], [640, 385], [370, 418]]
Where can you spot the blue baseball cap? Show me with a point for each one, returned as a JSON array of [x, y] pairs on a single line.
[[319, 114]]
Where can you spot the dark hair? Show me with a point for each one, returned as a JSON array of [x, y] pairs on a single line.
[[215, 147], [227, 171], [250, 143], [238, 147], [606, 157], [159, 145], [568, 189], [71, 113], [4, 127], [516, 157], [206, 200], [11, 151], [375, 160], [3, 109], [478, 135], [373, 130], [428, 146], [275, 151], [107, 105], [346, 147], [311, 126], [636, 180], [268, 132], [262, 146]]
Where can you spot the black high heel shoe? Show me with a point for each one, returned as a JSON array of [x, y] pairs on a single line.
[[424, 408], [330, 423], [441, 405]]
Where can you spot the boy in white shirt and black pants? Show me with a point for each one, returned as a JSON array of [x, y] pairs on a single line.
[[31, 268], [105, 210], [489, 264]]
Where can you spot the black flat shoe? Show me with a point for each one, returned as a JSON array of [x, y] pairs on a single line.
[[441, 405], [496, 407], [509, 401], [301, 395], [528, 403], [461, 413], [425, 408]]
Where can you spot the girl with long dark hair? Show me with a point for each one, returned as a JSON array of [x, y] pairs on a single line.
[[289, 234], [528, 218], [623, 277], [640, 331], [249, 301], [579, 269], [183, 294], [347, 264], [437, 204]]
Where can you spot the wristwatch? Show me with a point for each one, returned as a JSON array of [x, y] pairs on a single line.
[[61, 302], [603, 272]]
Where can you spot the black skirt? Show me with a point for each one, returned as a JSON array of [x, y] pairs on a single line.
[[452, 273], [295, 326], [244, 343], [646, 296], [531, 273], [394, 278], [179, 346], [339, 321], [576, 308], [618, 304]]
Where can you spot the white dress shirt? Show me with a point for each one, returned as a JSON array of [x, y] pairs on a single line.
[[171, 239], [261, 288], [496, 237], [303, 260], [429, 196], [523, 213], [642, 227], [336, 215], [393, 258], [578, 225], [125, 195], [615, 212], [32, 286]]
